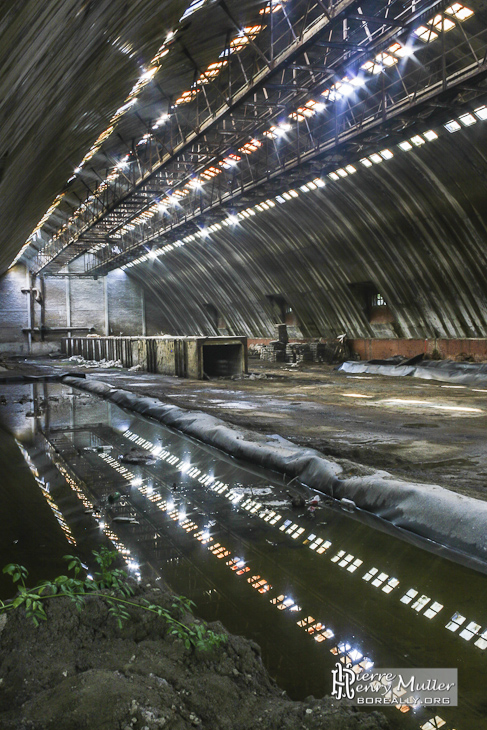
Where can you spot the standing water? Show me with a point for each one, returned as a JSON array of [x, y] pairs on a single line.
[[310, 588]]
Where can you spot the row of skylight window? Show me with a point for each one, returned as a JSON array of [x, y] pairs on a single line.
[[243, 38], [465, 120], [248, 34], [340, 88]]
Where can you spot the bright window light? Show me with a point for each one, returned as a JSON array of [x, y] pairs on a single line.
[[417, 140], [350, 169], [467, 119], [305, 188], [342, 172], [452, 126], [286, 196], [375, 158], [319, 182], [400, 51], [425, 34], [280, 199], [405, 146], [365, 162], [293, 193], [386, 154], [481, 113], [438, 21], [333, 176], [458, 11], [430, 135]]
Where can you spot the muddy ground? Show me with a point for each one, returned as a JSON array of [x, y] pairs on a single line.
[[79, 671], [416, 429]]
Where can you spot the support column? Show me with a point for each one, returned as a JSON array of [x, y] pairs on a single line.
[[68, 306], [142, 305], [105, 305]]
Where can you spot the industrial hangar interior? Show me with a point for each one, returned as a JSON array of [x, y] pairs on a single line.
[[244, 311]]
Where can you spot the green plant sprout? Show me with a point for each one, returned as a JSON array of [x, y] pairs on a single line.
[[112, 586]]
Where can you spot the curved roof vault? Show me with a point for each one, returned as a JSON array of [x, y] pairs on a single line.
[[412, 228], [303, 150]]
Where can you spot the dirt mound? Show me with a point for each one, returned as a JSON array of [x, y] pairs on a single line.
[[79, 671]]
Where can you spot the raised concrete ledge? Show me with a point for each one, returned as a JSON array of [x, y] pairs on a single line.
[[425, 514]]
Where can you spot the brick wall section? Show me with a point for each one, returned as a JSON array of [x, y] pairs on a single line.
[[371, 349], [378, 349]]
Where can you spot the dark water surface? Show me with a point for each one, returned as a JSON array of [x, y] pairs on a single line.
[[227, 538]]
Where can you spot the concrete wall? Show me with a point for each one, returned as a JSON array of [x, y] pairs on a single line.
[[111, 304], [184, 356], [13, 311]]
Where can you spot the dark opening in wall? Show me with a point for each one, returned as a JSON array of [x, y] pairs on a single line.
[[222, 360], [282, 311], [216, 319], [372, 303]]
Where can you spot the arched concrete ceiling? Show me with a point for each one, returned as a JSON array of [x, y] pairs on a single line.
[[414, 227], [66, 66]]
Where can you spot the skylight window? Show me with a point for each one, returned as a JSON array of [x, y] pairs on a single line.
[[386, 154], [230, 161], [417, 140], [459, 11], [425, 34], [430, 135], [192, 8], [375, 158], [319, 182], [452, 126], [398, 50], [481, 112], [250, 147], [350, 169], [439, 20], [342, 172], [467, 119], [333, 176], [365, 162]]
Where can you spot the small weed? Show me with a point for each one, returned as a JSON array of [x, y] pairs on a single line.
[[111, 585]]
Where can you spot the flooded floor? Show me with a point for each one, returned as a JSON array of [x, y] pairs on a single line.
[[309, 588]]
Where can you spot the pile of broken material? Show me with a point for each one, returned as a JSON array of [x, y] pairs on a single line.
[[78, 670]]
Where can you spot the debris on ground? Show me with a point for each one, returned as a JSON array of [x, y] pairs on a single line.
[[95, 363], [79, 670]]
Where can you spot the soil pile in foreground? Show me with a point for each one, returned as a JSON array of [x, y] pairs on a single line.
[[79, 671]]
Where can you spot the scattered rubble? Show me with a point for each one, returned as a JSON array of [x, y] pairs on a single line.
[[96, 363]]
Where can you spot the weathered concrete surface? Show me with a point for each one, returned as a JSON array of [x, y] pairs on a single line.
[[315, 406], [111, 306]]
